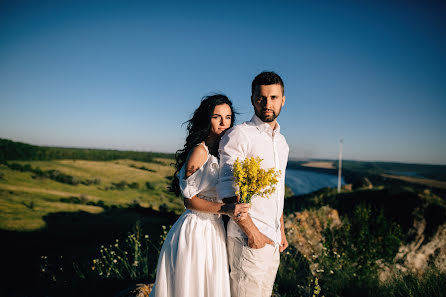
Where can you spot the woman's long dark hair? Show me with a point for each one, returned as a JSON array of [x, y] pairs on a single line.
[[198, 128]]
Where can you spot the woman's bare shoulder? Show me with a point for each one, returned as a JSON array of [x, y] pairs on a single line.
[[197, 158]]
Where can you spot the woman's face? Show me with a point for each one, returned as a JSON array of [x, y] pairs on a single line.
[[221, 119]]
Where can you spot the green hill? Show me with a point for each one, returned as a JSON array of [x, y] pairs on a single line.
[[36, 181]]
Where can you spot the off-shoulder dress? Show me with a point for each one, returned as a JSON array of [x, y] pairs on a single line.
[[193, 260]]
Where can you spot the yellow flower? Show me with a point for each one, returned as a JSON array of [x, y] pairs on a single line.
[[252, 180]]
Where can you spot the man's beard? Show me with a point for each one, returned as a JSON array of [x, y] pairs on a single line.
[[266, 118]]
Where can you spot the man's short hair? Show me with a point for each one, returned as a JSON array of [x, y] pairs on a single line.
[[267, 78]]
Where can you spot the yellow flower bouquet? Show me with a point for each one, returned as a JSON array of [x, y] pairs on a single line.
[[252, 180]]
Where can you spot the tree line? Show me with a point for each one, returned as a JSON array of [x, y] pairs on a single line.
[[11, 150]]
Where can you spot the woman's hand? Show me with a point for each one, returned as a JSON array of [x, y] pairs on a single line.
[[237, 211]]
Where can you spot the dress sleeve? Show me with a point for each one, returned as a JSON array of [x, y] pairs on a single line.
[[195, 183]]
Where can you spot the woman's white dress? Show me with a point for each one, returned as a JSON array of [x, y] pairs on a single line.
[[193, 260]]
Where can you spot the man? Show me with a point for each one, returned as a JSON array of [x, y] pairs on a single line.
[[255, 242]]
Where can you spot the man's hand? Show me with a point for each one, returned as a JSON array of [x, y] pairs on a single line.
[[258, 240], [283, 243]]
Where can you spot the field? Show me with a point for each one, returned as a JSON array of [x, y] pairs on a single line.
[[26, 198], [416, 180], [326, 165], [67, 215], [63, 211]]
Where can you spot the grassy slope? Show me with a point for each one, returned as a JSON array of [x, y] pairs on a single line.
[[25, 200]]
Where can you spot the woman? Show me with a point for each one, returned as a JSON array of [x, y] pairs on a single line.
[[193, 259]]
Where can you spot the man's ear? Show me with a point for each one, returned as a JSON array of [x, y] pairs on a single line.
[[283, 101]]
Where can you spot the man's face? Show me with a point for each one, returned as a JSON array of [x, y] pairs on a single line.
[[268, 101]]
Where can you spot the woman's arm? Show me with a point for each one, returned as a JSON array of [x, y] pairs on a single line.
[[231, 209], [197, 158]]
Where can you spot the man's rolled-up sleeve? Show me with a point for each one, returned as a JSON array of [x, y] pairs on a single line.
[[234, 144]]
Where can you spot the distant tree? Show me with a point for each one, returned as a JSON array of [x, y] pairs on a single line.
[[10, 150], [149, 186], [121, 185]]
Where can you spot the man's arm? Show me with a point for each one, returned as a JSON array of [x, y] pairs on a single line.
[[256, 239], [235, 144]]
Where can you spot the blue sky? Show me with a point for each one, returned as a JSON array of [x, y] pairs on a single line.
[[127, 74]]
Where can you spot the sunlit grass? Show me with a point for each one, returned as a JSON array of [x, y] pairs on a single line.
[[25, 198], [22, 211]]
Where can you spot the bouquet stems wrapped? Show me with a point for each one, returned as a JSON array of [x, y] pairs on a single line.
[[252, 180]]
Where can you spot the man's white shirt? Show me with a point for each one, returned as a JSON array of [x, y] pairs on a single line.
[[255, 138]]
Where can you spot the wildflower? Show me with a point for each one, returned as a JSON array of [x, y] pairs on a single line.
[[253, 180]]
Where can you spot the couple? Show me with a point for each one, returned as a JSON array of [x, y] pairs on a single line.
[[196, 252]]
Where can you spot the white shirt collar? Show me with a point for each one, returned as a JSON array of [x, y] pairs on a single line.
[[263, 126]]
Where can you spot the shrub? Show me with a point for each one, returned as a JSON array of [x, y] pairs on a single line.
[[149, 186], [142, 168], [16, 166], [133, 185], [99, 203], [163, 208], [72, 199], [121, 185], [350, 254], [29, 205], [62, 177]]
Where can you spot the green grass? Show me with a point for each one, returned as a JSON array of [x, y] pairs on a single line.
[[431, 283], [26, 198], [22, 211]]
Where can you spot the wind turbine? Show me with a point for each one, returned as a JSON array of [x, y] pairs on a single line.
[[341, 141]]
